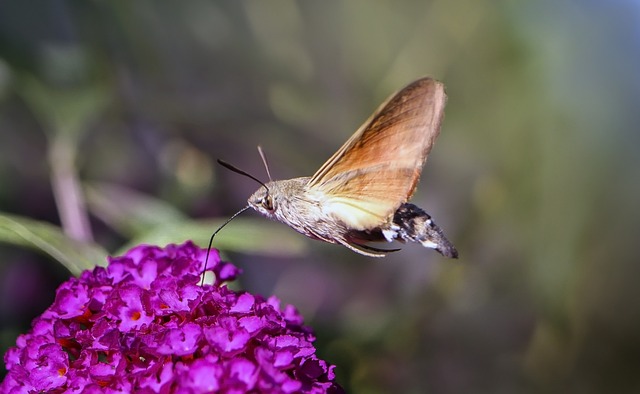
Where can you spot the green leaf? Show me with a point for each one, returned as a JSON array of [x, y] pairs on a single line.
[[76, 256], [128, 211], [246, 235]]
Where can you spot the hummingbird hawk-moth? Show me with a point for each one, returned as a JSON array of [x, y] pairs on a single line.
[[360, 194]]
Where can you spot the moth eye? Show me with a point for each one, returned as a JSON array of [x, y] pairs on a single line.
[[267, 203]]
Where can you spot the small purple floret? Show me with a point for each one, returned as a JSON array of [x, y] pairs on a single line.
[[144, 324]]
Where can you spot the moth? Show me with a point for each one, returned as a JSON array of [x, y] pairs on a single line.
[[361, 193]]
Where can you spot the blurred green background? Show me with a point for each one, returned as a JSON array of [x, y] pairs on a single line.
[[112, 115]]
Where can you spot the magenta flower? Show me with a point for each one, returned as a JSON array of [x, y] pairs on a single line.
[[144, 324]]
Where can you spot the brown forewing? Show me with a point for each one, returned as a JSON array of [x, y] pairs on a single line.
[[378, 168]]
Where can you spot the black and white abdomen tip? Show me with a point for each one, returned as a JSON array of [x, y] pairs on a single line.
[[410, 223]]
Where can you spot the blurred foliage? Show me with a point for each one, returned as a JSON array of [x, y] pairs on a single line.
[[74, 255], [111, 114]]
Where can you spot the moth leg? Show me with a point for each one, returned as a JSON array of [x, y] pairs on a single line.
[[365, 250], [362, 250], [346, 243], [372, 249], [320, 237]]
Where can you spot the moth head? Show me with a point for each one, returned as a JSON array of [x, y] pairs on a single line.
[[263, 202]]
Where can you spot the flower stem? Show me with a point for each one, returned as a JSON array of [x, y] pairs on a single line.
[[67, 191]]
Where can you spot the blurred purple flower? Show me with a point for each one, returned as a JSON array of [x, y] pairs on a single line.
[[143, 324]]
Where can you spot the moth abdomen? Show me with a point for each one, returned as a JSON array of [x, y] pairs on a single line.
[[412, 224]]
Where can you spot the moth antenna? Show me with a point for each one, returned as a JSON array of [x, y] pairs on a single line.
[[206, 259], [239, 171], [264, 161]]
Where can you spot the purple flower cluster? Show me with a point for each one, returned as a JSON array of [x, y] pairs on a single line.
[[144, 324]]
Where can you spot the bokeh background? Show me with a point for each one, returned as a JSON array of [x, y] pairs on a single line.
[[112, 115]]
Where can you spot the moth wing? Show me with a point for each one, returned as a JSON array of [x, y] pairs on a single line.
[[378, 168]]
